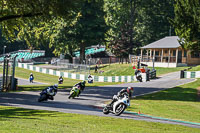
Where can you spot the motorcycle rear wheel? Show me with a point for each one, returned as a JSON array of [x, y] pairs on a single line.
[[120, 109]]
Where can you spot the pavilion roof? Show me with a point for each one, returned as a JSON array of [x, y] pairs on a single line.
[[167, 42]]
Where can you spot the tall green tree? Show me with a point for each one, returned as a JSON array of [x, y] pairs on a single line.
[[25, 15], [187, 23], [147, 20], [90, 26]]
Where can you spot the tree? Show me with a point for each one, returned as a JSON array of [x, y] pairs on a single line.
[[121, 15], [187, 23], [121, 45], [148, 20], [90, 26], [18, 14]]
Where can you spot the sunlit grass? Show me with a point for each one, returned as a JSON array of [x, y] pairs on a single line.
[[180, 103], [18, 120]]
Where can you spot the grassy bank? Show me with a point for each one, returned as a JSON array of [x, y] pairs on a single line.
[[197, 68], [176, 103], [20, 120], [125, 69]]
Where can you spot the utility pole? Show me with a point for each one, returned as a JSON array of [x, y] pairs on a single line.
[[4, 50], [131, 27]]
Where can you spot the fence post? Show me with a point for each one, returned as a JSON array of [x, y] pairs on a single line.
[[182, 74]]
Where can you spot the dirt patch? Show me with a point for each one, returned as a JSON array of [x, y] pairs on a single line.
[[198, 93]]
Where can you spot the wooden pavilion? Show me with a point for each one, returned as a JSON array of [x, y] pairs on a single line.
[[167, 52]]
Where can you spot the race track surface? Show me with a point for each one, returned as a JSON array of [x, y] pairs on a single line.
[[91, 100]]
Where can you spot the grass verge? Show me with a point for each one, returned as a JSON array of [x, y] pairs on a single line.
[[125, 69], [30, 121], [197, 68], [179, 103]]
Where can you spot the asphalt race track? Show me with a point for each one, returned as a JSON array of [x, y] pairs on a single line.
[[92, 99]]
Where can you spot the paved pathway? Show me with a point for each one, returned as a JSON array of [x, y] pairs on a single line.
[[94, 96]]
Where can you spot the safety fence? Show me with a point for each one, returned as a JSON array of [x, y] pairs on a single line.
[[191, 74], [74, 75]]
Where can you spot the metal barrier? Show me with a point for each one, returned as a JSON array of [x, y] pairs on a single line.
[[152, 74]]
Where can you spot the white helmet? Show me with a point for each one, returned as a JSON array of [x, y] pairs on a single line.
[[56, 85]]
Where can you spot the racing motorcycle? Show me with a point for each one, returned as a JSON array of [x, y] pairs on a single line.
[[118, 107], [138, 75], [90, 80], [31, 79], [74, 92], [45, 94]]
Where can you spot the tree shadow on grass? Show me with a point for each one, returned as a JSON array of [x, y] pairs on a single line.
[[39, 87], [20, 113]]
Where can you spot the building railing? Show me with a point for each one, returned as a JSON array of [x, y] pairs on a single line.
[[165, 59]]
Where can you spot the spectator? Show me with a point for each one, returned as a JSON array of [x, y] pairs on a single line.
[[96, 68]]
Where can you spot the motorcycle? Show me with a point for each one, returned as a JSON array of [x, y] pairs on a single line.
[[118, 107], [31, 79], [90, 80], [74, 92], [138, 75], [60, 81], [45, 95]]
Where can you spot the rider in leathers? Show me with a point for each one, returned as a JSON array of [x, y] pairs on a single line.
[[128, 91], [51, 91], [82, 86]]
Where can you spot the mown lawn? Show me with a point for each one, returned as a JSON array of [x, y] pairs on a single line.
[[197, 68], [19, 120], [180, 103], [125, 69]]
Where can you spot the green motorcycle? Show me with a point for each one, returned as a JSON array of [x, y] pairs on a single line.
[[74, 92]]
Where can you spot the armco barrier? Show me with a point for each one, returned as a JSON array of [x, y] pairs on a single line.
[[191, 74], [76, 76]]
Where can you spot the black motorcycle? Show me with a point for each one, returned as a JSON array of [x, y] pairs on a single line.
[[45, 94]]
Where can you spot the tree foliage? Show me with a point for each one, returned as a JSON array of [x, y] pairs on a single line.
[[147, 20], [187, 23], [90, 27], [16, 15]]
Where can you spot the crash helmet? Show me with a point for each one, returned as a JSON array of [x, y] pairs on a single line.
[[130, 90], [83, 83], [56, 86]]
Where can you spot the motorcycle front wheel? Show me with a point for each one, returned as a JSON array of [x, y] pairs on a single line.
[[42, 98], [120, 109], [105, 110], [71, 95]]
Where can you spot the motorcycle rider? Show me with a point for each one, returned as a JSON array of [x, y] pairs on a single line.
[[90, 79], [81, 85], [31, 77], [60, 80], [127, 91], [51, 91]]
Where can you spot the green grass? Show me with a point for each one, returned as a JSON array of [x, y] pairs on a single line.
[[123, 70], [126, 69], [180, 103], [197, 68], [18, 120]]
